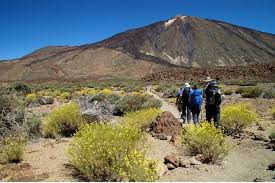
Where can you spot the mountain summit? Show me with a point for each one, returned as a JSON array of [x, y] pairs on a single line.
[[182, 41]]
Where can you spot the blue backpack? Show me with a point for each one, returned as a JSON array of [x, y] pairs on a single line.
[[196, 98]]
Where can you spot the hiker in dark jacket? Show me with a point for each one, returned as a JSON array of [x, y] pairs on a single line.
[[196, 102], [213, 102], [184, 98]]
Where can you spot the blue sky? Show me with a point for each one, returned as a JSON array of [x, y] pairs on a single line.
[[26, 25]]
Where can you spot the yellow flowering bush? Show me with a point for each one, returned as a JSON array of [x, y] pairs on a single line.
[[64, 121], [31, 98], [65, 95], [140, 119], [102, 152], [12, 149], [236, 117], [207, 140]]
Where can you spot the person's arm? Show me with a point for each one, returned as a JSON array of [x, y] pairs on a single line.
[[218, 99]]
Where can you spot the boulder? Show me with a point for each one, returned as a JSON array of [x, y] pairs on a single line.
[[172, 159], [166, 125], [95, 111], [45, 100]]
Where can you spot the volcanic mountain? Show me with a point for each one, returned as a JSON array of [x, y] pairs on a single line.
[[182, 41]]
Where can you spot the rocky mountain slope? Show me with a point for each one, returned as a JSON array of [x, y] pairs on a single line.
[[182, 41]]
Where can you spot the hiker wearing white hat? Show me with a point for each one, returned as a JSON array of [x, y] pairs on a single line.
[[183, 100]]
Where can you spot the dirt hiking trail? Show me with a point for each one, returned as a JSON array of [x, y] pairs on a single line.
[[246, 162]]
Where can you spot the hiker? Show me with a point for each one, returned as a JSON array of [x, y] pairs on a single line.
[[213, 102], [205, 84], [196, 102], [183, 99]]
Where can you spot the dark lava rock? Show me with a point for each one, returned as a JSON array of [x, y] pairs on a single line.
[[166, 125]]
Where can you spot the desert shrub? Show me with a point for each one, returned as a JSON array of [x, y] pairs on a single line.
[[136, 102], [241, 82], [132, 88], [141, 119], [30, 98], [65, 95], [249, 92], [22, 87], [109, 157], [273, 111], [269, 93], [228, 92], [236, 117], [64, 121], [33, 127], [207, 140], [12, 149]]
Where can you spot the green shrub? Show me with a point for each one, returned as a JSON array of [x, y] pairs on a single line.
[[207, 140], [102, 152], [64, 121], [228, 92], [269, 94], [136, 102], [249, 92], [236, 117], [33, 127], [241, 82], [12, 149], [30, 98], [65, 95], [22, 87]]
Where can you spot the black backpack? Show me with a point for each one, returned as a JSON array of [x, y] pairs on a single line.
[[213, 97], [186, 97]]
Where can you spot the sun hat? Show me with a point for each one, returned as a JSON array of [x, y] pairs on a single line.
[[208, 79], [187, 85]]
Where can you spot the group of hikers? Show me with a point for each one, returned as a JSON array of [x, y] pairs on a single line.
[[189, 102]]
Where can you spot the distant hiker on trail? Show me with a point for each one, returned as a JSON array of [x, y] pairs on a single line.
[[205, 84], [213, 102], [196, 102], [184, 99]]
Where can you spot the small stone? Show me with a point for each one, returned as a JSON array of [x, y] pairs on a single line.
[[184, 162], [161, 137], [170, 166], [161, 168], [258, 179], [193, 161], [172, 159], [25, 165], [260, 137], [199, 157], [271, 166], [261, 128]]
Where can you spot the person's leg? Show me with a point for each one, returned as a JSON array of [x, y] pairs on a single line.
[[188, 114], [208, 114], [198, 114], [183, 113], [217, 118]]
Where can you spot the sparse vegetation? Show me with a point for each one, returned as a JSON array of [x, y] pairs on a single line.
[[136, 102], [273, 112], [63, 121], [110, 157], [228, 92], [249, 92], [236, 117], [207, 140], [12, 149]]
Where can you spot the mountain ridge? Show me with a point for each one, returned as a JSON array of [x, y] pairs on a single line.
[[180, 42]]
